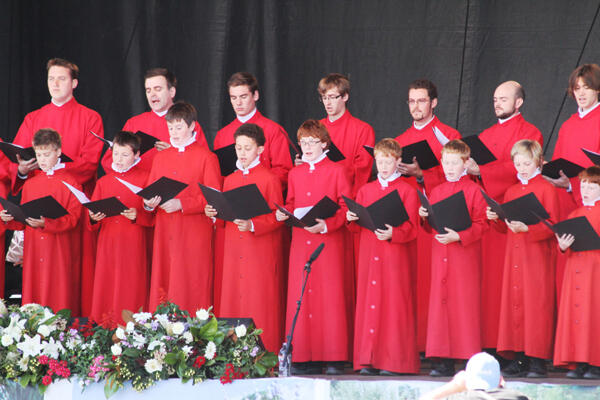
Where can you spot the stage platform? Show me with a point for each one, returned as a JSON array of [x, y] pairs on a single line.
[[319, 387]]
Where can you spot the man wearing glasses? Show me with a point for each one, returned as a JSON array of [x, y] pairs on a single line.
[[349, 134]]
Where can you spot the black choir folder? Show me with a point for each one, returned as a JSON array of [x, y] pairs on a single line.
[[110, 206], [164, 187], [586, 237], [593, 156], [370, 150], [387, 210], [422, 151], [524, 209], [324, 209], [244, 202], [26, 153], [552, 168], [479, 151], [227, 159], [46, 207], [147, 142], [452, 212]]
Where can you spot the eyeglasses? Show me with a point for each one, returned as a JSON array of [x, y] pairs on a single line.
[[323, 99], [412, 102], [307, 143]]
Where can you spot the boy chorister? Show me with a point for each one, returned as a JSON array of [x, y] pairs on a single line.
[[453, 330], [252, 286], [324, 327], [182, 268], [527, 305], [385, 331], [51, 254], [121, 272]]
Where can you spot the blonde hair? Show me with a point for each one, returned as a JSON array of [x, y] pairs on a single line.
[[388, 147], [457, 146], [529, 147]]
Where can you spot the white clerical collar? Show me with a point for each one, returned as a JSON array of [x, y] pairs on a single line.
[[319, 159], [583, 113], [247, 117], [526, 181], [60, 105], [246, 171], [162, 113], [56, 167], [590, 204], [385, 182], [501, 121], [122, 171], [181, 148], [423, 125], [457, 179]]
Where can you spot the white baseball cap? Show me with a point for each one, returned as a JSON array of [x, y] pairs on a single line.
[[482, 372]]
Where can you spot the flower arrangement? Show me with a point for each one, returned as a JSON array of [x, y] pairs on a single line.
[[38, 347]]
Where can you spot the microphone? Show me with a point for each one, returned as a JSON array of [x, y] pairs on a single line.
[[314, 255]]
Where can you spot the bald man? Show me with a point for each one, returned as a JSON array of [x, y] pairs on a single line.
[[496, 177]]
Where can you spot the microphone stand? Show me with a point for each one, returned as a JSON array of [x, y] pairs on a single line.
[[285, 354]]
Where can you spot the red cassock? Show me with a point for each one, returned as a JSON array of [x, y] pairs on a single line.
[[155, 125], [73, 121], [454, 327], [121, 280], [324, 327], [51, 255], [421, 273], [527, 305], [253, 265], [275, 156], [4, 190], [385, 330], [578, 318], [496, 177], [350, 134], [182, 266]]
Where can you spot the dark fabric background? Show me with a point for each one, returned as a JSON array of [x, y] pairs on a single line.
[[467, 47]]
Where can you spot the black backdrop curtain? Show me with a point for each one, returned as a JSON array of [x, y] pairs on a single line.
[[466, 47]]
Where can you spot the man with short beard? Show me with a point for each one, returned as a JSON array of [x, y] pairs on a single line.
[[496, 177]]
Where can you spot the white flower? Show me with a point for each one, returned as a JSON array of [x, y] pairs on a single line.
[[116, 349], [240, 330], [178, 328], [211, 349], [187, 350], [202, 314], [22, 363], [7, 340], [47, 315], [142, 317], [120, 333], [15, 327], [130, 327], [12, 356], [3, 309], [43, 330], [154, 344], [31, 346], [153, 365], [52, 348], [30, 308], [138, 339], [187, 335]]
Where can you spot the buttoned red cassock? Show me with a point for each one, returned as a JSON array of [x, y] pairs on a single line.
[[325, 323], [454, 322], [385, 329], [182, 266], [496, 177], [527, 308], [154, 125], [51, 255], [253, 265], [421, 273], [122, 272], [578, 319]]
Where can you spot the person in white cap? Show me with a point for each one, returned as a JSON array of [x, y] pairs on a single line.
[[480, 379]]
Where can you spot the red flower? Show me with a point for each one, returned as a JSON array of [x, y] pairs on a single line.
[[199, 361], [46, 380], [43, 360], [229, 368], [225, 379]]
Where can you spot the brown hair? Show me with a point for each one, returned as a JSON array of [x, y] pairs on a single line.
[[591, 174], [424, 84], [126, 138], [589, 73], [457, 146], [169, 76], [334, 80], [252, 131], [530, 147], [388, 147], [47, 137], [182, 111], [314, 128], [243, 79], [61, 62]]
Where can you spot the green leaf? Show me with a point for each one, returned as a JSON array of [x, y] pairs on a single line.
[[171, 358], [110, 387], [181, 368], [269, 360], [24, 381], [209, 330], [131, 352], [260, 369]]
